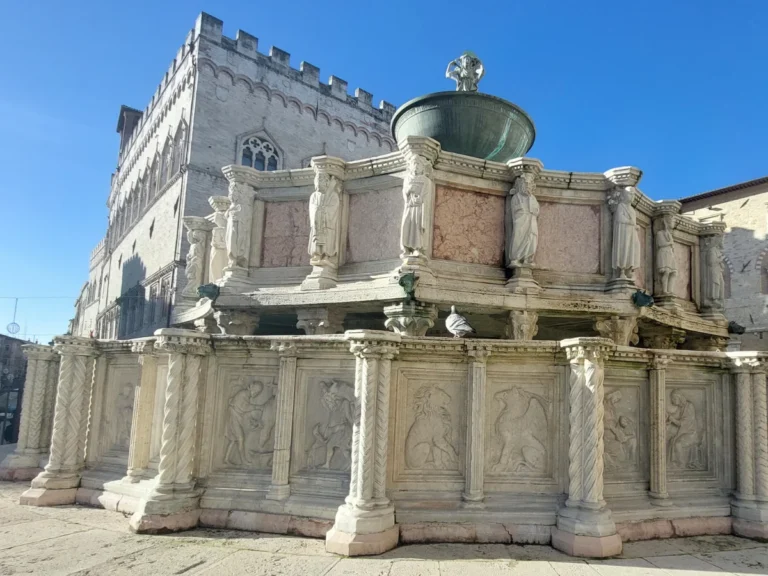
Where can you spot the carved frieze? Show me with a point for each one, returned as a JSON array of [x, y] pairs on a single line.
[[687, 429], [431, 442], [329, 434], [250, 422], [621, 429]]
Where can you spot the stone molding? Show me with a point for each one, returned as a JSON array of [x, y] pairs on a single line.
[[179, 341]]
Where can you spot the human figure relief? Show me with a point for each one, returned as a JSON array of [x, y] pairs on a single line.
[[234, 236], [714, 273], [666, 262], [620, 443], [520, 432], [522, 222], [324, 204], [332, 445], [416, 187], [428, 444], [625, 255], [195, 266], [251, 409], [467, 71], [124, 414], [685, 446]]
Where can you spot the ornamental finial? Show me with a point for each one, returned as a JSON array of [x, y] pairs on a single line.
[[467, 71]]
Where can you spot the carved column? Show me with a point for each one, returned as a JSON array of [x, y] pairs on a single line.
[[750, 504], [365, 524], [475, 454], [238, 231], [657, 378], [584, 525], [198, 235], [240, 322], [418, 217], [286, 392], [218, 251], [521, 225], [58, 483], [143, 411], [522, 325], [325, 213], [318, 321], [621, 329], [410, 318], [24, 462], [173, 503]]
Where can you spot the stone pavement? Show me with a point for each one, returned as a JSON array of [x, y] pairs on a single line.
[[89, 541]]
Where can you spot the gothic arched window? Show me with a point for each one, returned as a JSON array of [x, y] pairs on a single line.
[[153, 179], [165, 170], [179, 147], [144, 187], [261, 154]]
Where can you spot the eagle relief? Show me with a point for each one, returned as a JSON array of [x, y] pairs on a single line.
[[520, 433], [429, 444]]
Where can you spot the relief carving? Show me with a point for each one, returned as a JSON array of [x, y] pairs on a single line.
[[520, 432], [686, 433], [123, 416], [331, 447], [625, 254], [429, 443], [620, 436], [250, 430]]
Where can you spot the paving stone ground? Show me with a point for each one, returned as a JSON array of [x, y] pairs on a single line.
[[89, 541]]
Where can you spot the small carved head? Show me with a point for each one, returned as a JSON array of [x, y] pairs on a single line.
[[676, 398], [614, 397]]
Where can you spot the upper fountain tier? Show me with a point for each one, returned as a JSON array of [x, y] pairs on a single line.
[[467, 121]]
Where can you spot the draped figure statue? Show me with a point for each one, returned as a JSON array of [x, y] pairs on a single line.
[[522, 224], [324, 208], [625, 256], [666, 261], [416, 190]]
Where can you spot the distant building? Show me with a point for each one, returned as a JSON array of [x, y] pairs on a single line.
[[744, 209], [220, 102], [13, 370]]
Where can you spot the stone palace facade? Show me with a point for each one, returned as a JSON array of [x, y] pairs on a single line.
[[220, 102]]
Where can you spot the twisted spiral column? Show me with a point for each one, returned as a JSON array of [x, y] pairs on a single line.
[[166, 470], [745, 471], [354, 460], [658, 451], [576, 421], [382, 429], [761, 432]]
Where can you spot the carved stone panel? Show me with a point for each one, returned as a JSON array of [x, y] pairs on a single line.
[[683, 280], [578, 250], [430, 422], [374, 225], [522, 422], [622, 430], [689, 431], [286, 233], [118, 409]]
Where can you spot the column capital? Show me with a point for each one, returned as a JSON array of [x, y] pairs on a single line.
[[419, 146], [193, 223], [581, 349], [284, 348], [658, 362], [145, 347], [372, 343], [329, 165], [624, 176], [478, 352], [174, 340], [76, 346], [747, 362], [519, 166], [39, 352]]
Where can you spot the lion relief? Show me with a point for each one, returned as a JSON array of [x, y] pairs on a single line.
[[428, 444]]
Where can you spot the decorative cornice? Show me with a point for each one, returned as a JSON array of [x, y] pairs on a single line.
[[144, 346], [624, 175], [580, 349], [284, 348], [39, 352], [372, 343], [75, 345], [176, 341]]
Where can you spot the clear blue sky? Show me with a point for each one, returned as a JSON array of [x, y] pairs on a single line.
[[678, 89]]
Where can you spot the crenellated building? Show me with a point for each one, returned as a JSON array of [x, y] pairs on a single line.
[[220, 102]]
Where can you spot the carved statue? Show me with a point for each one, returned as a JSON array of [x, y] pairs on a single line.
[[625, 257], [124, 413], [218, 259], [619, 434], [251, 421], [324, 205], [522, 222], [666, 262], [428, 444], [416, 187], [332, 445], [195, 262], [685, 442], [520, 432], [714, 283], [467, 71]]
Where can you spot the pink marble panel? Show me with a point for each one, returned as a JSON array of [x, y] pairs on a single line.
[[640, 272], [683, 279], [469, 226], [374, 225], [286, 234], [569, 238]]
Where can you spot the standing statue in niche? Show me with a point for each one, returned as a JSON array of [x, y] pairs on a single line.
[[666, 262], [195, 266], [520, 432], [251, 423], [324, 206], [428, 444], [219, 259], [416, 188], [332, 445], [625, 256], [235, 249], [714, 285], [467, 71], [124, 412], [619, 437], [522, 222], [685, 444]]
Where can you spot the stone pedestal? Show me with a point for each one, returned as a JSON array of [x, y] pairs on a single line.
[[324, 275], [658, 446], [621, 329], [286, 392], [584, 525], [237, 322], [473, 494], [36, 410], [58, 483], [365, 523], [319, 321], [173, 503], [750, 504], [522, 281], [410, 318], [522, 325], [143, 411]]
